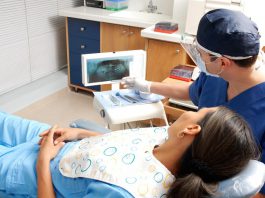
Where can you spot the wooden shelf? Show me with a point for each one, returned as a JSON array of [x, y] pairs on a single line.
[[173, 111]]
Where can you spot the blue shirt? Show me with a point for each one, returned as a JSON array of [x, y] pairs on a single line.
[[208, 91], [18, 156]]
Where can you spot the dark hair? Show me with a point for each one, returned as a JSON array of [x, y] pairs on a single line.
[[221, 150], [246, 62]]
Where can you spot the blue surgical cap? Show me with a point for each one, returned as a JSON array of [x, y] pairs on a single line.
[[228, 32]]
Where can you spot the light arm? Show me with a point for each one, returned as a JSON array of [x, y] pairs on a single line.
[[172, 90], [45, 187], [83, 133], [48, 150]]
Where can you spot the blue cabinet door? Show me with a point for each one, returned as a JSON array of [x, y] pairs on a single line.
[[83, 38], [84, 28], [83, 46]]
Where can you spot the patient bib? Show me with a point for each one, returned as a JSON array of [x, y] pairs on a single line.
[[122, 158]]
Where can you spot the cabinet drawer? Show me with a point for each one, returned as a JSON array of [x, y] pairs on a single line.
[[172, 111], [76, 71], [84, 28], [83, 46]]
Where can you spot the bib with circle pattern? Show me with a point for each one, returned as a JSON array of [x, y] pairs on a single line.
[[122, 158]]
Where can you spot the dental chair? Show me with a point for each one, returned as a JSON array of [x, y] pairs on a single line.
[[243, 185]]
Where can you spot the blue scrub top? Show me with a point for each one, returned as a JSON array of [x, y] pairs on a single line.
[[208, 91], [18, 156]]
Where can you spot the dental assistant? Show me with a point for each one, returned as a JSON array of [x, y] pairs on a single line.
[[227, 51]]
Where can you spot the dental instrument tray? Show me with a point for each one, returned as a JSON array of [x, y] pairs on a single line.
[[166, 27], [126, 105], [125, 97]]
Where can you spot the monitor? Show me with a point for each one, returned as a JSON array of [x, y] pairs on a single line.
[[111, 67]]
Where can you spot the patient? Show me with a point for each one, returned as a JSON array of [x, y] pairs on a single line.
[[187, 159]]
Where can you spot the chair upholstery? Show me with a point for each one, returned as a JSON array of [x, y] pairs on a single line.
[[89, 125], [245, 184]]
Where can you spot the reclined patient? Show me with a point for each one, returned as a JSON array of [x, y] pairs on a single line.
[[187, 159]]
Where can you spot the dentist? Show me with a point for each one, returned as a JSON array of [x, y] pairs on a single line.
[[227, 51]]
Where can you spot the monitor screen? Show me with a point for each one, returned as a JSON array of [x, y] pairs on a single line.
[[111, 67]]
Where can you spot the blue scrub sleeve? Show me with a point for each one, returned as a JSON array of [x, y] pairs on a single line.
[[15, 130]]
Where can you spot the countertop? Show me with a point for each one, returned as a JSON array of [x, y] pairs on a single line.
[[175, 37], [123, 17], [130, 18]]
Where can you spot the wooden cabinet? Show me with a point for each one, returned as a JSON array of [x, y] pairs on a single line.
[[86, 36], [83, 38], [173, 111], [162, 56], [115, 37]]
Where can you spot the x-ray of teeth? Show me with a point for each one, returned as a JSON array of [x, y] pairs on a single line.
[[108, 69]]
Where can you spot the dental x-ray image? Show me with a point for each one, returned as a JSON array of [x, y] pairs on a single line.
[[108, 69]]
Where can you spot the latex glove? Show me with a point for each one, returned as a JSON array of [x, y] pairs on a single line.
[[137, 84]]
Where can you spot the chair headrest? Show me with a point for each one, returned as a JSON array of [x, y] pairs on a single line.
[[245, 184]]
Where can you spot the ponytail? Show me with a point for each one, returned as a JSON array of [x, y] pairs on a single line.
[[191, 186]]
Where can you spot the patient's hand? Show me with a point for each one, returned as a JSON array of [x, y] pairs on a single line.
[[62, 134], [69, 134], [48, 150]]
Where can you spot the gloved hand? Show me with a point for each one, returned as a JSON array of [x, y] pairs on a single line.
[[138, 84]]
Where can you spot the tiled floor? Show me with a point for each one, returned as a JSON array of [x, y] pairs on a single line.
[[49, 100]]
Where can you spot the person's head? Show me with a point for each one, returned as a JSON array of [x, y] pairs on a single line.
[[221, 146], [224, 37]]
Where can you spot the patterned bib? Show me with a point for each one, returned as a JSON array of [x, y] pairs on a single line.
[[123, 158]]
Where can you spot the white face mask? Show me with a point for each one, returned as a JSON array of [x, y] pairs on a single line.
[[201, 65], [195, 55]]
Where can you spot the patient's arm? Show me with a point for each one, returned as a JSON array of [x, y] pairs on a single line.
[[45, 187], [70, 134], [47, 152]]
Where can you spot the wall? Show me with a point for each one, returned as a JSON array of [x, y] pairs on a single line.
[[180, 13], [255, 9], [164, 6], [32, 40], [175, 8], [252, 8]]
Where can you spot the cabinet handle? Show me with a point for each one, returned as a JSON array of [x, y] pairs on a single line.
[[131, 33], [82, 46], [124, 32], [82, 29], [177, 51]]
